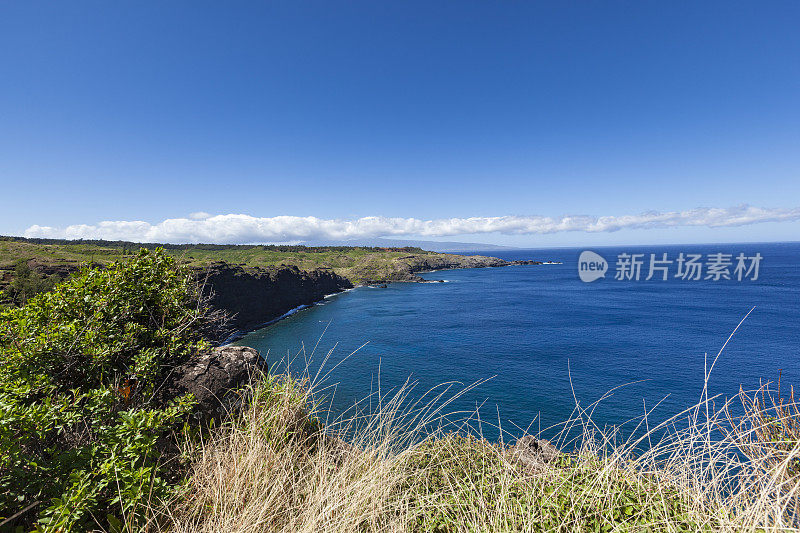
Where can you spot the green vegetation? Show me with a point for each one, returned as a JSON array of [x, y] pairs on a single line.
[[79, 426], [460, 476], [358, 264], [25, 284]]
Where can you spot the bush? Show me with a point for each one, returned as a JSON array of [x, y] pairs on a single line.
[[26, 284], [81, 436]]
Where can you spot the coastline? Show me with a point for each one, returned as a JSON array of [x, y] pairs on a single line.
[[491, 262], [239, 334]]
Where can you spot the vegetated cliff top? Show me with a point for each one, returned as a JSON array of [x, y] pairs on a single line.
[[357, 264]]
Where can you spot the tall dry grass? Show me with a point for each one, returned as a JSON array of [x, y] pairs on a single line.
[[398, 462], [405, 466]]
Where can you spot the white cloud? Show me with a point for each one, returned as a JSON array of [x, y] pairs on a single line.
[[199, 215], [239, 228]]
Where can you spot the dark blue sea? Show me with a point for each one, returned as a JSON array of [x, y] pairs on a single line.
[[544, 339]]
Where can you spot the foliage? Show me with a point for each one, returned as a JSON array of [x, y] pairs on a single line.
[[357, 264], [81, 432], [27, 283]]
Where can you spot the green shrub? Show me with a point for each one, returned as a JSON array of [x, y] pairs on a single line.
[[26, 284], [80, 431]]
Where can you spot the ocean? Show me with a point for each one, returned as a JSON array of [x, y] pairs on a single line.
[[541, 340]]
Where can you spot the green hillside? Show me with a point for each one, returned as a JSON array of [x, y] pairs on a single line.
[[358, 264]]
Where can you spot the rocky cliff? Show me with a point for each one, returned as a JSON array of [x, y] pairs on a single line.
[[406, 268], [254, 296]]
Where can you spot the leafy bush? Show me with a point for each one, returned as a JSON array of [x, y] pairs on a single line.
[[26, 284], [81, 434]]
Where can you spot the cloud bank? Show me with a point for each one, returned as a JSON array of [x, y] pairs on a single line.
[[238, 229]]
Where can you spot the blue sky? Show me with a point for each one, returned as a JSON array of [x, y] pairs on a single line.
[[149, 111]]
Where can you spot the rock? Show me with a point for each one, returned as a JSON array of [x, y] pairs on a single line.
[[525, 262], [406, 268], [214, 378], [218, 379], [533, 454], [254, 296]]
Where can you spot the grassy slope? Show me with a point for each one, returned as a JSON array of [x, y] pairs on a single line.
[[356, 264], [271, 469]]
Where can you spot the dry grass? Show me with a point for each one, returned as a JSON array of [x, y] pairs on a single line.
[[398, 462], [407, 467]]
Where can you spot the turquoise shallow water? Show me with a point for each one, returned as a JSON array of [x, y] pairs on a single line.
[[541, 334]]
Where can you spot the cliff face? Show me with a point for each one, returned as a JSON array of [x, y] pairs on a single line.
[[445, 261], [254, 296]]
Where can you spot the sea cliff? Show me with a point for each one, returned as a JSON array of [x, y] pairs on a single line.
[[254, 296]]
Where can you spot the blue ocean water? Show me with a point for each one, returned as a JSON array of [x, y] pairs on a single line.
[[547, 339]]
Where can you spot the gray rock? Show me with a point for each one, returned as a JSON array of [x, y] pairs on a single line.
[[533, 454], [214, 378]]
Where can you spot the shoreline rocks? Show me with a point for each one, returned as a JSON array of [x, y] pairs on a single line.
[[253, 297], [406, 269]]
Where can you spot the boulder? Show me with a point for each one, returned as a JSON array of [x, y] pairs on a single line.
[[215, 379], [533, 454]]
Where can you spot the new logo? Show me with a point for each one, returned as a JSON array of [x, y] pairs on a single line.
[[591, 266]]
